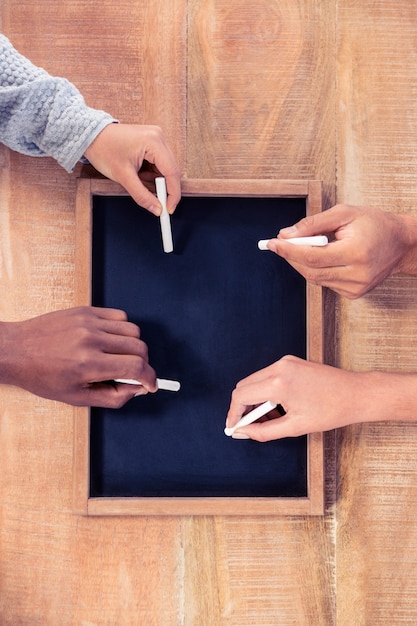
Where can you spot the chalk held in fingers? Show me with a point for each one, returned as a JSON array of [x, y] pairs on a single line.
[[251, 417], [263, 244], [316, 240], [161, 192], [163, 383]]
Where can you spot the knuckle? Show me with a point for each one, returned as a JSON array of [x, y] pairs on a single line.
[[140, 367], [114, 402], [311, 276], [285, 369], [261, 437], [289, 358], [308, 221], [80, 315], [82, 367], [120, 314], [320, 277], [133, 330], [84, 336], [143, 353], [235, 398], [156, 132], [355, 294], [118, 401], [312, 258]]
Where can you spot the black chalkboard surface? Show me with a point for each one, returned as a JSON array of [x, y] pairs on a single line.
[[212, 312]]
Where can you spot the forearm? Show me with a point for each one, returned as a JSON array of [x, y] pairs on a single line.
[[408, 263], [386, 397], [6, 376], [42, 115], [318, 398]]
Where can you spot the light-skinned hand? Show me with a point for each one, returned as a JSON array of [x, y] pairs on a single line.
[[318, 398], [368, 246], [121, 150]]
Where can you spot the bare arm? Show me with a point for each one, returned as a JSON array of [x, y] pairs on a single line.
[[318, 397], [369, 245], [69, 355]]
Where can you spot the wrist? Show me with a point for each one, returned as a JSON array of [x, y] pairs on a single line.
[[8, 347], [95, 150], [408, 262]]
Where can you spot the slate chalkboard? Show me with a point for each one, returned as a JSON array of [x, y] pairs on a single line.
[[212, 312]]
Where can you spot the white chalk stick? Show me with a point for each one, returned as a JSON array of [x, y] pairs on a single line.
[[161, 192], [250, 417], [263, 244], [163, 383], [317, 240]]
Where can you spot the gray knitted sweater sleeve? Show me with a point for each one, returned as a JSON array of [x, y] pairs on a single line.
[[42, 115]]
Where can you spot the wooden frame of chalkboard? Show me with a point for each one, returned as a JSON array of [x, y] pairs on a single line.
[[87, 499]]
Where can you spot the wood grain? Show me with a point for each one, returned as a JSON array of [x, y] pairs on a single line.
[[261, 90], [377, 122], [243, 89]]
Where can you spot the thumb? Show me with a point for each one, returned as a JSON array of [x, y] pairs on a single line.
[[278, 428], [137, 190], [107, 396]]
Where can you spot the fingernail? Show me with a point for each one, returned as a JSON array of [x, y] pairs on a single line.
[[239, 435], [156, 210]]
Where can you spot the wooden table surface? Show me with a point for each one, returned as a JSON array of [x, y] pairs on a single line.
[[243, 89]]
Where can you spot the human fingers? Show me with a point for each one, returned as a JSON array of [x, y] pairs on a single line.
[[336, 254], [144, 197], [237, 407], [119, 151], [104, 395], [123, 328], [159, 154], [137, 190], [320, 223], [111, 343], [107, 313], [174, 191], [350, 281], [107, 367], [112, 321], [248, 395], [91, 312], [278, 428], [158, 159]]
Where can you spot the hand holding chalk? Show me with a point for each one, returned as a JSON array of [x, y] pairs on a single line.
[[163, 383], [317, 240], [161, 192], [251, 417]]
